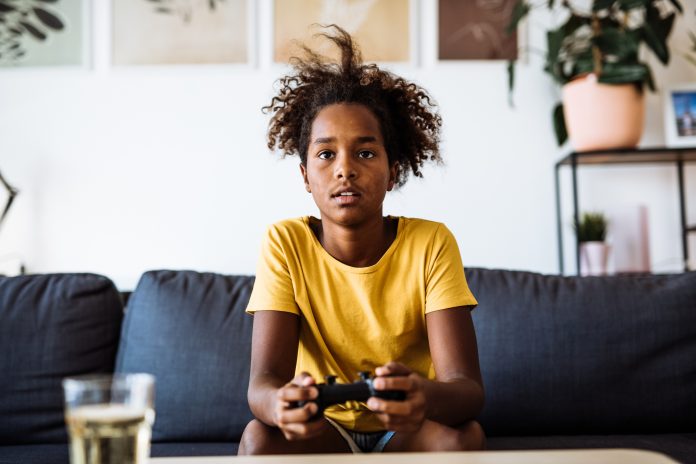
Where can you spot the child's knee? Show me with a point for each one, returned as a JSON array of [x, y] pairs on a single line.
[[256, 439], [472, 437]]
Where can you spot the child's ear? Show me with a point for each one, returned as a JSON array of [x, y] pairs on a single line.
[[392, 176], [303, 170]]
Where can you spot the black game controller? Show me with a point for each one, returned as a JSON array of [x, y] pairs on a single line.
[[331, 393]]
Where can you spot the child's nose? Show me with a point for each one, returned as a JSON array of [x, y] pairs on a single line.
[[345, 167]]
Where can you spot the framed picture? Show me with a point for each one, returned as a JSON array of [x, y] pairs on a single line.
[[475, 30], [162, 32], [370, 22], [680, 115], [38, 33]]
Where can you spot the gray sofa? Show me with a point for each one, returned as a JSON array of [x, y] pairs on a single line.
[[567, 362]]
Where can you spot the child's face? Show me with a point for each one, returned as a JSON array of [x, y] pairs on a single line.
[[346, 155]]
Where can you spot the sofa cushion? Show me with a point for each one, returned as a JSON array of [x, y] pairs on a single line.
[[190, 330], [51, 326], [574, 355]]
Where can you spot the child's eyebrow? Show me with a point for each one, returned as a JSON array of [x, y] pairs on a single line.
[[363, 139]]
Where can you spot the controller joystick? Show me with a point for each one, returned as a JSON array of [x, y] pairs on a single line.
[[331, 393]]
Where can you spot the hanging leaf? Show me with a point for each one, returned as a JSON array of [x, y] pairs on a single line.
[[661, 26], [559, 125], [677, 5], [655, 43], [520, 10], [511, 80], [49, 19], [33, 30], [6, 7]]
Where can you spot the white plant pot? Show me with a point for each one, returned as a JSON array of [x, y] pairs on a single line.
[[593, 258]]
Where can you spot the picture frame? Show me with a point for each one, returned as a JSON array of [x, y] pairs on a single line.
[[297, 22], [182, 33], [57, 34], [680, 115]]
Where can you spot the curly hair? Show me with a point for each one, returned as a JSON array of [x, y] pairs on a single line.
[[407, 115]]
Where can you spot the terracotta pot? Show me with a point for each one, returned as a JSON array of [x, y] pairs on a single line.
[[603, 116], [593, 258]]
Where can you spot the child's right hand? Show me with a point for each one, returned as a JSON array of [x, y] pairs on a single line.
[[295, 422]]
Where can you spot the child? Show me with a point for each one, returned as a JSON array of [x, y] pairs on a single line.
[[355, 290]]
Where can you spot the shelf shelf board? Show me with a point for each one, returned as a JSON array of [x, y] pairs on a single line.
[[630, 155]]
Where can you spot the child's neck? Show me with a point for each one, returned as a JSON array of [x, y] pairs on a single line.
[[360, 246]]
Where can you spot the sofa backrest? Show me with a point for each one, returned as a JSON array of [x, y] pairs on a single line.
[[51, 326], [190, 330], [569, 355]]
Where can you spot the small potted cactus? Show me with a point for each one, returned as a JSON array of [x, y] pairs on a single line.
[[591, 231]]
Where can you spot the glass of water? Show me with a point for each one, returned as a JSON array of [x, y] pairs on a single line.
[[109, 418]]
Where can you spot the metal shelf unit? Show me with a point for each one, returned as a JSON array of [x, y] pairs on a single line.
[[655, 155]]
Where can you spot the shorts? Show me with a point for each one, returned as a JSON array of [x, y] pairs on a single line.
[[363, 442]]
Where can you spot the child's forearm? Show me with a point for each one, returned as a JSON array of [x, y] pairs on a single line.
[[262, 397], [454, 402]]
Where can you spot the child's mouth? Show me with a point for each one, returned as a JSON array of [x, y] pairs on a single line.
[[347, 198]]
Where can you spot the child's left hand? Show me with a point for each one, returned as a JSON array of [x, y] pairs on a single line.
[[400, 416]]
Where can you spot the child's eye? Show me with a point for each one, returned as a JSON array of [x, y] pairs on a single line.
[[366, 154], [325, 155]]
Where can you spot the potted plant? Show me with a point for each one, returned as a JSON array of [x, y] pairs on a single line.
[[591, 232], [595, 55]]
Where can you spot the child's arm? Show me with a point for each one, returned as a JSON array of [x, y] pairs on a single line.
[[271, 384], [457, 394]]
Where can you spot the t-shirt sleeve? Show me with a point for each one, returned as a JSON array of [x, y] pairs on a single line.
[[446, 285], [273, 289]]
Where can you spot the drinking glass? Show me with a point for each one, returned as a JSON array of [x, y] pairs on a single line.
[[109, 418]]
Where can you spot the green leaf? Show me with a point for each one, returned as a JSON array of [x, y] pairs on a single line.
[[559, 125], [649, 80], [620, 43], [657, 45], [677, 5], [573, 23], [520, 10], [49, 19], [554, 39], [6, 8], [630, 4], [613, 73], [584, 64], [38, 34], [551, 3], [598, 5], [511, 81]]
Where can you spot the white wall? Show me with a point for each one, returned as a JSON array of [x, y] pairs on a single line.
[[122, 170]]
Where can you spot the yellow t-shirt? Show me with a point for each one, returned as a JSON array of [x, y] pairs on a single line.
[[358, 318]]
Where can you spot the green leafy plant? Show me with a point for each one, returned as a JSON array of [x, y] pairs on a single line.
[[603, 40], [592, 227], [19, 18]]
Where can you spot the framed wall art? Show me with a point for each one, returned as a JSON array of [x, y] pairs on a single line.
[[382, 28], [680, 115], [161, 32], [475, 30], [42, 33]]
